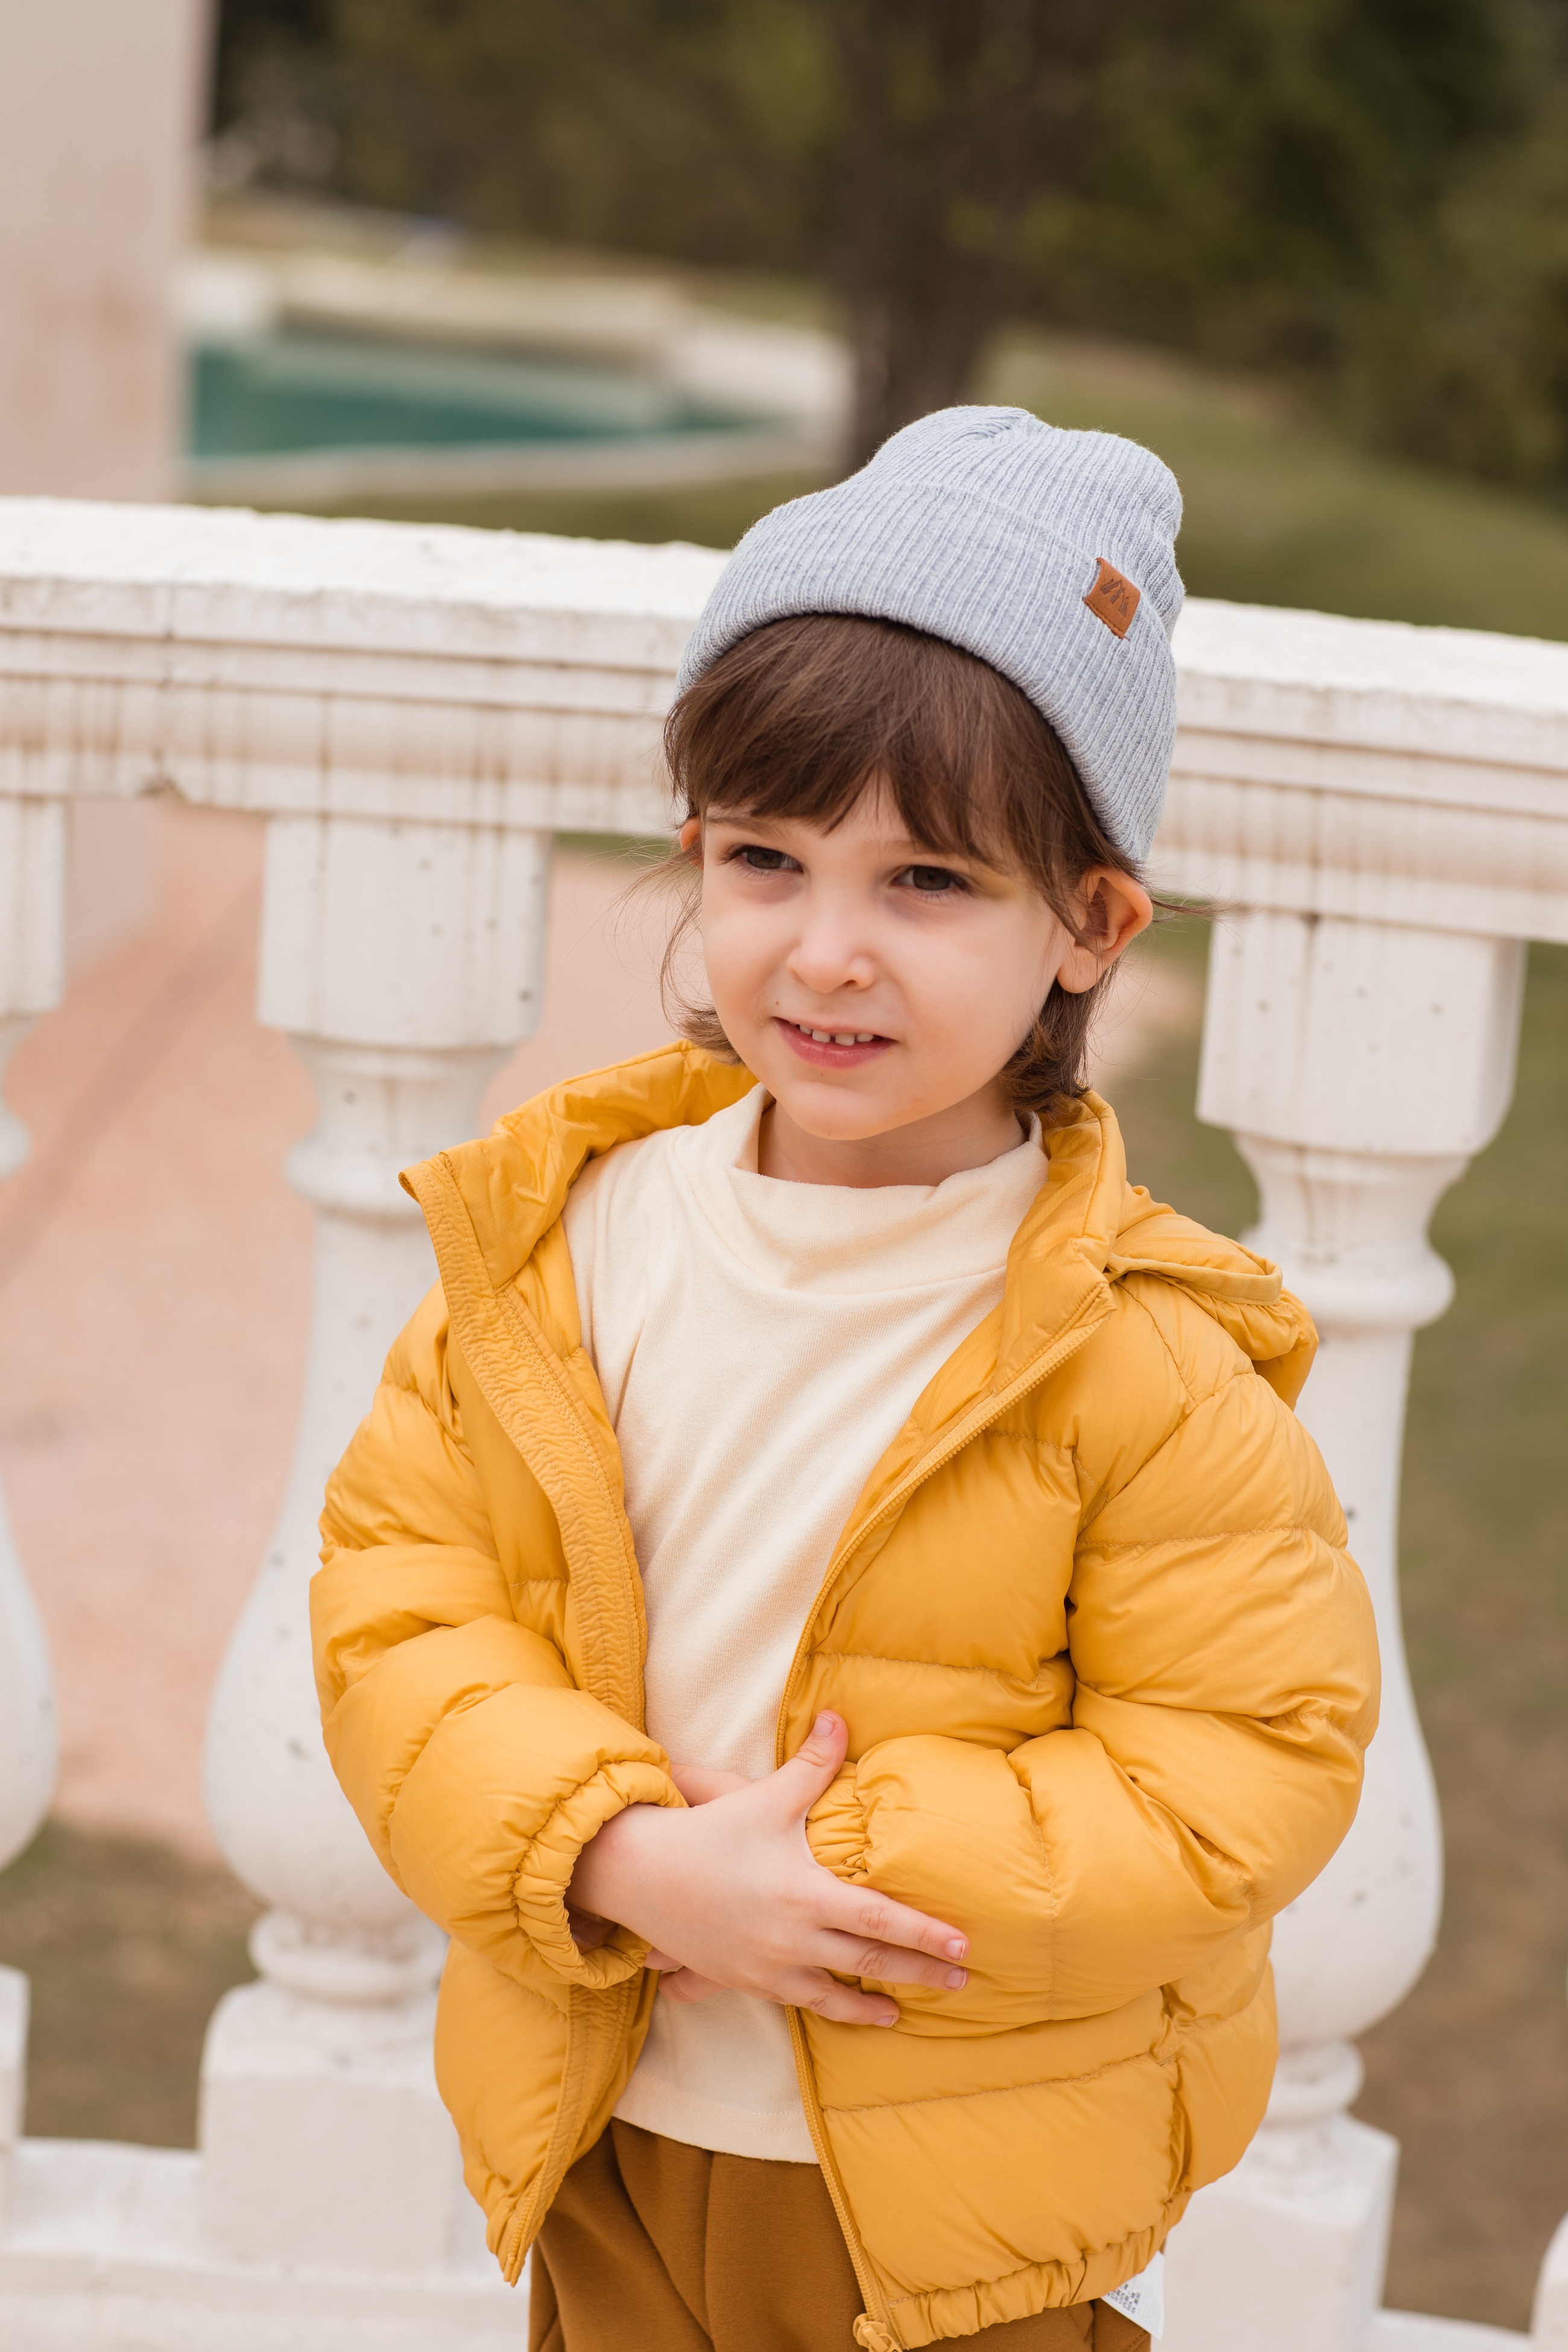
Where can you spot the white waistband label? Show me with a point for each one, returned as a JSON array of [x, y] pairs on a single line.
[[1142, 2299]]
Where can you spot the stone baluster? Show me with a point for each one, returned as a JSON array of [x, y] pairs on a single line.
[[404, 959], [1359, 1065], [33, 837], [32, 976]]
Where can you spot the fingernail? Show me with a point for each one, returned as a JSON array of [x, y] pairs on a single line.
[[957, 1949], [957, 1978], [889, 2020], [824, 1725]]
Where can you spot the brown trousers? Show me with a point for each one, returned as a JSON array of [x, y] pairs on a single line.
[[652, 2246]]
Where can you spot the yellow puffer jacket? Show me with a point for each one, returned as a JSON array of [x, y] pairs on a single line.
[[1107, 1667]]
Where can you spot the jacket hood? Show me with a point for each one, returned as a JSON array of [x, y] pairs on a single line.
[[1089, 1226]]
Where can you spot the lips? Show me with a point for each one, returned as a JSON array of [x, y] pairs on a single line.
[[832, 1049]]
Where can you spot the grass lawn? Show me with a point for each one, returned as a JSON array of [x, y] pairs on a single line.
[[128, 1946]]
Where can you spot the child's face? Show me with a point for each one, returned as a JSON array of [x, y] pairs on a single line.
[[920, 973]]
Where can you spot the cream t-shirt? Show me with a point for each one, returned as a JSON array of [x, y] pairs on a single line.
[[760, 1345]]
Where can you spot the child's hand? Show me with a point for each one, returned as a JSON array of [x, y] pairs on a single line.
[[729, 1890], [700, 1787]]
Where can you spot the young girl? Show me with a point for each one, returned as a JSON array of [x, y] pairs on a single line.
[[831, 1607]]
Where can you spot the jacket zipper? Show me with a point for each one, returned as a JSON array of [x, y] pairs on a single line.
[[518, 1325], [880, 2335]]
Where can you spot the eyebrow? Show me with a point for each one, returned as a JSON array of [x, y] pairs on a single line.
[[920, 852]]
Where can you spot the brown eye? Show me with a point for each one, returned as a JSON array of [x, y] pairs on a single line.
[[763, 861], [934, 879]]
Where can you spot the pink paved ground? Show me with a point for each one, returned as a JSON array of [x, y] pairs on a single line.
[[154, 1288]]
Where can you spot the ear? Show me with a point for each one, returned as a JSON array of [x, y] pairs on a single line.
[[691, 836], [1112, 908]]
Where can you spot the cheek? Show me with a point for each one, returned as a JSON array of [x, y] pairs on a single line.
[[739, 949], [981, 991]]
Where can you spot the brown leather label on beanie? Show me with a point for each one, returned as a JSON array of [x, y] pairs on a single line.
[[1114, 599]]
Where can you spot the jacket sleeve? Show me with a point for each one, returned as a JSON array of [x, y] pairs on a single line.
[[477, 1768], [1225, 1661]]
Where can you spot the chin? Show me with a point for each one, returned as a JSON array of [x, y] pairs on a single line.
[[836, 1119]]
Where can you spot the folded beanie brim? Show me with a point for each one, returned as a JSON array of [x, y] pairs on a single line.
[[987, 528]]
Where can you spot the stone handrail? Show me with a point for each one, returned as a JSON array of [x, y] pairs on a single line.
[[1384, 813]]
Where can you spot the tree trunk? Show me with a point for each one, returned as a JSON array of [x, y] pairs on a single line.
[[911, 355], [955, 115]]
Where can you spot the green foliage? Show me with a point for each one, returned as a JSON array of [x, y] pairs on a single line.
[[1253, 155], [1464, 358], [1386, 214], [688, 128]]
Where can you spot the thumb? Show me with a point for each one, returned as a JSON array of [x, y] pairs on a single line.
[[816, 1764]]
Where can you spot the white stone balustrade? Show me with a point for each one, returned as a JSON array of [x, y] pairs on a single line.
[[1383, 812], [404, 959], [1396, 852]]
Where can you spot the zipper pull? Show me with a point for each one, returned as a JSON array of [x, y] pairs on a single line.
[[871, 2336]]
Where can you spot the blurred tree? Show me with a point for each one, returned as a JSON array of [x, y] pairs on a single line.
[[1265, 170], [265, 50], [954, 121], [1372, 193]]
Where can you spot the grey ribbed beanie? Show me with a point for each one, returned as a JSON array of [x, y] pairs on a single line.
[[1048, 552]]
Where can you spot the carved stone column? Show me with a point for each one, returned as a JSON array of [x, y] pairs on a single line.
[[404, 959], [1360, 1064], [32, 979]]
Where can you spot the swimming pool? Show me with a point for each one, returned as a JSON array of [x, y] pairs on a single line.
[[291, 391], [303, 412]]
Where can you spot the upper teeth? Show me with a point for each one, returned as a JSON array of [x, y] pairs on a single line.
[[834, 1037]]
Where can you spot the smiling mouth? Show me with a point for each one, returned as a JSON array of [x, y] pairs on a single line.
[[836, 1037], [835, 1049]]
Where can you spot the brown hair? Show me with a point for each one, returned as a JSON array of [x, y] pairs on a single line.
[[797, 718]]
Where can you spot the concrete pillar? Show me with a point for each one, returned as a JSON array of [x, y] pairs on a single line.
[[31, 975], [404, 959], [100, 111], [1360, 1064], [14, 2003]]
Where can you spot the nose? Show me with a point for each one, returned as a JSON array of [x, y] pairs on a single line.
[[830, 953]]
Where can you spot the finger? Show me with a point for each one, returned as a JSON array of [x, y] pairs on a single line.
[[660, 1961], [815, 1990], [700, 1787], [856, 1956], [862, 1911], [814, 1767]]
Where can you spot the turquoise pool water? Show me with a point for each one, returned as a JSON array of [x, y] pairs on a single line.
[[290, 393]]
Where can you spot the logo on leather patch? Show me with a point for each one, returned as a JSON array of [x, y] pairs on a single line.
[[1114, 599]]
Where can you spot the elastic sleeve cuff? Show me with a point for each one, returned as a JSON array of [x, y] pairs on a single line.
[[837, 1830], [538, 1890]]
